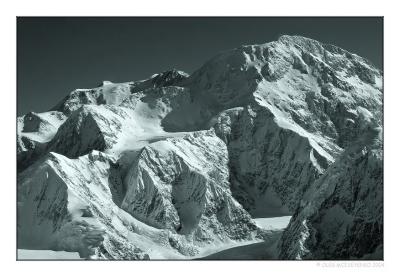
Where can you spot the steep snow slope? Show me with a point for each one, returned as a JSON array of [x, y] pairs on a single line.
[[306, 83], [169, 166]]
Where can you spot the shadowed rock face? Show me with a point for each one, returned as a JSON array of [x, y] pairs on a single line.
[[167, 166], [341, 214], [267, 157], [182, 185]]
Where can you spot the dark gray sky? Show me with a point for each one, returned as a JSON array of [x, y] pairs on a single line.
[[57, 55]]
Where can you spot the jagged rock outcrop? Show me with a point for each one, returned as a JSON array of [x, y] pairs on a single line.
[[341, 214]]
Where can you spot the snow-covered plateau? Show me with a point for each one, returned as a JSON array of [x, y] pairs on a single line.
[[270, 151]]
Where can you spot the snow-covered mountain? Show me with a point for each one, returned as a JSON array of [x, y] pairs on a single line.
[[173, 165]]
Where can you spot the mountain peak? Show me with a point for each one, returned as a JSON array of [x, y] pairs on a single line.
[[297, 38], [169, 77]]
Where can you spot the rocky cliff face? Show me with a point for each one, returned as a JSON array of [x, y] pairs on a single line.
[[182, 184], [166, 166], [341, 215]]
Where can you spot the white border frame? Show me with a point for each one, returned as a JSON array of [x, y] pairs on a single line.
[[11, 9]]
